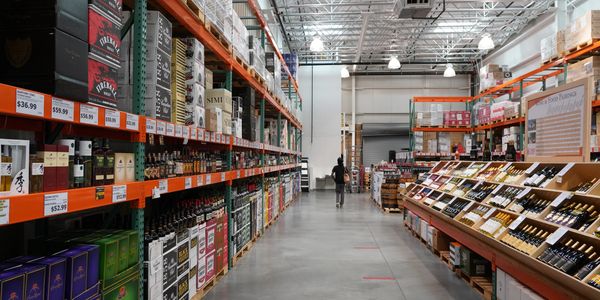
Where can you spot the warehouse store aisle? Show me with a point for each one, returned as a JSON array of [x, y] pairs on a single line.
[[315, 251]]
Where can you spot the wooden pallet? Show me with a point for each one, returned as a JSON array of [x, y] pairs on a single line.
[[242, 252], [462, 275], [210, 284], [194, 8], [219, 36], [242, 62], [552, 59], [445, 256], [392, 210], [483, 286], [581, 45]]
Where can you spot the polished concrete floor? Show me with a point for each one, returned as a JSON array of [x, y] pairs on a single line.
[[315, 251]]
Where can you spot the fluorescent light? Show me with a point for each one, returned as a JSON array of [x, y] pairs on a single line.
[[486, 42], [449, 71], [316, 45], [344, 72], [394, 63]]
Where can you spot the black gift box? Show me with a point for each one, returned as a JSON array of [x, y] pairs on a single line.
[[46, 60]]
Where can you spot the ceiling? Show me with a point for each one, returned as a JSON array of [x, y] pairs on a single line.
[[368, 32]]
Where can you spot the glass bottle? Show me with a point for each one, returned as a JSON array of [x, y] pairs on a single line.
[[85, 153], [109, 164], [36, 177], [78, 171], [98, 166], [5, 169]]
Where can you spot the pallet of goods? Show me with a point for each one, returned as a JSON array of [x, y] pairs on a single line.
[[583, 31]]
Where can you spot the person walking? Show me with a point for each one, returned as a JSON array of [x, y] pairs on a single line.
[[340, 176]]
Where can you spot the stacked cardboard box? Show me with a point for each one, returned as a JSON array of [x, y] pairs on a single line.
[[583, 30], [455, 258], [257, 56], [511, 134], [482, 114], [240, 38], [584, 68], [219, 13], [389, 192], [491, 75], [218, 110], [291, 60], [457, 118], [497, 110], [552, 46], [188, 82], [473, 264], [508, 288], [249, 113], [273, 65]]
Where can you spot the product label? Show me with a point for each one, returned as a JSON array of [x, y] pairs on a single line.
[[37, 169], [56, 204], [62, 160], [30, 103], [160, 127], [178, 131], [5, 169], [163, 186], [4, 211], [62, 109], [170, 129], [78, 170], [557, 235], [208, 179], [119, 193], [88, 114], [132, 122], [489, 213], [112, 118], [188, 183], [199, 180], [150, 126]]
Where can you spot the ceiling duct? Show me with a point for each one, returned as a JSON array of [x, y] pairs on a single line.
[[411, 9]]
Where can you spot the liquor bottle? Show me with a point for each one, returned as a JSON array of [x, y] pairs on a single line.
[[555, 259], [552, 250], [109, 164], [85, 153], [591, 218], [78, 171], [71, 144], [575, 261], [98, 168], [588, 267], [584, 186], [6, 169], [36, 178]]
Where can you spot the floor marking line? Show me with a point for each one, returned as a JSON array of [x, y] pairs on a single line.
[[378, 278]]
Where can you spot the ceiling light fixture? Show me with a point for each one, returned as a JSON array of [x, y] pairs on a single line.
[[486, 42], [316, 45], [449, 72], [344, 72], [394, 63]]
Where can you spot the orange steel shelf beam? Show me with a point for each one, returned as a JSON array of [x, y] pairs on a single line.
[[30, 207], [180, 12], [500, 124], [595, 103], [559, 62], [263, 23], [441, 129], [442, 99]]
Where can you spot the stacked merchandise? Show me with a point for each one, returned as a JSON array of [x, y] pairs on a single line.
[[259, 199], [553, 46], [457, 118], [219, 13], [186, 246], [218, 110], [503, 110], [257, 56], [236, 117], [583, 30], [482, 113], [584, 68], [287, 189], [509, 134], [273, 65], [389, 192], [291, 60], [433, 117], [188, 82], [249, 116], [271, 199], [158, 68], [283, 134], [242, 216], [492, 75], [240, 39]]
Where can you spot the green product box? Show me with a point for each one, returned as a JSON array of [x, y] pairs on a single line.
[[123, 239], [109, 257], [126, 289], [473, 264], [133, 247]]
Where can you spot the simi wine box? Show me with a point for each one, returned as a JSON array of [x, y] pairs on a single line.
[[12, 284], [102, 83], [46, 60], [104, 37]]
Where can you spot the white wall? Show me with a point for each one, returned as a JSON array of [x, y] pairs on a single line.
[[320, 87]]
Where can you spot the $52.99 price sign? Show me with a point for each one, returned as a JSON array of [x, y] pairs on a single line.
[[56, 204]]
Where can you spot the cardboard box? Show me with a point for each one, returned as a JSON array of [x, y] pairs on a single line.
[[218, 98], [227, 123], [473, 264], [208, 75], [214, 120], [159, 31], [584, 29], [158, 102], [56, 269], [440, 241], [112, 7], [12, 284], [127, 289], [584, 68], [102, 83], [501, 284], [104, 36]]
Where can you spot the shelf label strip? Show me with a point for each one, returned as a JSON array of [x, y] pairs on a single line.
[[29, 103]]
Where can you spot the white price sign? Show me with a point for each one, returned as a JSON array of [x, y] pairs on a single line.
[[186, 132], [193, 134], [56, 204], [523, 193], [4, 211], [88, 114], [30, 103], [170, 129], [199, 180], [557, 235], [160, 127], [516, 222], [112, 118], [208, 179], [62, 109], [150, 126], [163, 186], [506, 167], [561, 198], [238, 175], [119, 193], [222, 176], [178, 130], [497, 189], [564, 171], [132, 122], [532, 168], [188, 183]]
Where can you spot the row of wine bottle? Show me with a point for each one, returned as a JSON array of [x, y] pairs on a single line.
[[573, 257]]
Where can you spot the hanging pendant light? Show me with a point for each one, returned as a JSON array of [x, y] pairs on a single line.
[[486, 42], [316, 45], [449, 72], [394, 63], [344, 72]]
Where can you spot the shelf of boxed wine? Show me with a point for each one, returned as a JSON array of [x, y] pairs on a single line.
[[547, 212]]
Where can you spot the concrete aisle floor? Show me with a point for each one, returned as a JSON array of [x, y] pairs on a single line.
[[315, 251]]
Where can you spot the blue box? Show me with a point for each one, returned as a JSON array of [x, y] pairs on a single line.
[[22, 259], [89, 293], [35, 281], [93, 263], [12, 284], [56, 269], [76, 282]]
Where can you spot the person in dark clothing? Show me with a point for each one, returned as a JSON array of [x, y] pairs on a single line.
[[338, 173]]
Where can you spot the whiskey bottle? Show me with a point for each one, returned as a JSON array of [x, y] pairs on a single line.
[[78, 171], [85, 153], [109, 164], [98, 169], [6, 169]]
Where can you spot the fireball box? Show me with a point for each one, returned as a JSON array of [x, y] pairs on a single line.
[[46, 60], [102, 83], [111, 7], [104, 37]]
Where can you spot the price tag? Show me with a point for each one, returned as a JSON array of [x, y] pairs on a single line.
[[132, 122], [88, 114], [193, 133], [150, 126], [30, 103], [4, 211], [178, 130], [468, 206], [163, 186], [208, 179], [199, 180], [161, 127], [532, 168], [523, 193], [497, 189], [170, 129], [62, 109], [56, 204], [557, 235], [119, 193], [563, 172], [222, 176], [561, 198], [188, 183], [516, 222], [506, 167], [112, 118], [186, 132], [489, 213], [238, 174], [155, 193]]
